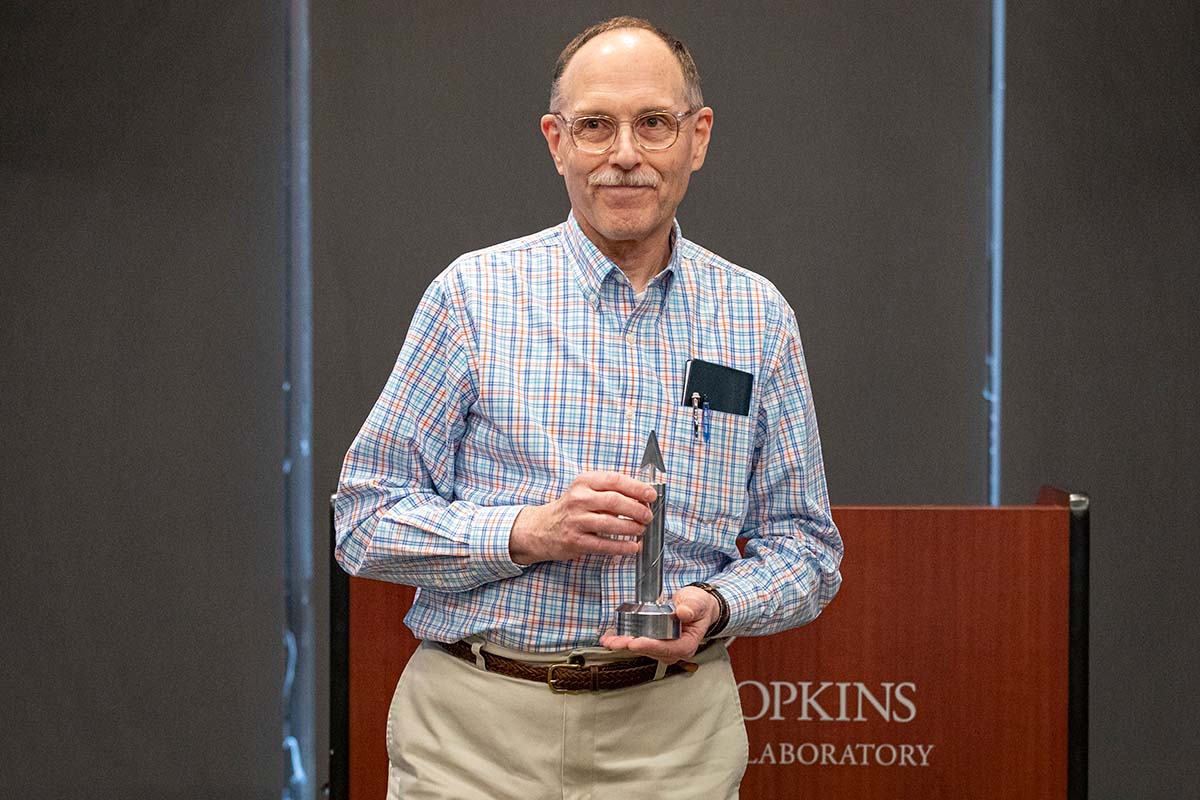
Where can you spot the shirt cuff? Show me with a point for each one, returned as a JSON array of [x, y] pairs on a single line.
[[745, 604], [490, 558]]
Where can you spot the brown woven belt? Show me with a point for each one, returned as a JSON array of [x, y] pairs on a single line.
[[573, 675]]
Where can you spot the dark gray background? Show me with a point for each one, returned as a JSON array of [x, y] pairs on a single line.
[[142, 213], [142, 159], [1102, 321]]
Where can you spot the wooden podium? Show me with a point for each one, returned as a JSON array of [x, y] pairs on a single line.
[[952, 664]]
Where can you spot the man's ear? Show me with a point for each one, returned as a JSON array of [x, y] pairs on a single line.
[[701, 135], [553, 133]]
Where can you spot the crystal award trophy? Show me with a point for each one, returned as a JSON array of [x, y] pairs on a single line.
[[646, 616]]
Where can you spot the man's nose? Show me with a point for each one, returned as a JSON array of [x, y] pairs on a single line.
[[625, 152]]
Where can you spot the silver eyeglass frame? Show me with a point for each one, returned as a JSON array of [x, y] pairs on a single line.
[[678, 116]]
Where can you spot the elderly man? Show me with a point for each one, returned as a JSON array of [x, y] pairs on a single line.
[[497, 470]]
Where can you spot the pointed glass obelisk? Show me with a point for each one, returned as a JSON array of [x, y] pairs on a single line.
[[646, 616]]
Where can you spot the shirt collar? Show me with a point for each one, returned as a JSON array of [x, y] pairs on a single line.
[[592, 267]]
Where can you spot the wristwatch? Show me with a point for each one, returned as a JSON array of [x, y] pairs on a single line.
[[722, 614]]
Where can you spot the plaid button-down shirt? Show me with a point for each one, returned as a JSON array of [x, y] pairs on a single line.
[[532, 361]]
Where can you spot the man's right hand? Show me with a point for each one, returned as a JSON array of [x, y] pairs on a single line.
[[596, 507]]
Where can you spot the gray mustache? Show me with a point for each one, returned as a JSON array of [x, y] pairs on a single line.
[[613, 177]]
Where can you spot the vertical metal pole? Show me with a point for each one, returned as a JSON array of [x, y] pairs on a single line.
[[650, 558], [299, 693], [996, 252]]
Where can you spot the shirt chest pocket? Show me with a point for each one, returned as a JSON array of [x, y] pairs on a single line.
[[708, 478]]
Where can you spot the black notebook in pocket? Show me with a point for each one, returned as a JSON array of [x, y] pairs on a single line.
[[723, 388]]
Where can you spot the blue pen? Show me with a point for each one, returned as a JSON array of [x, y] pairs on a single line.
[[707, 422]]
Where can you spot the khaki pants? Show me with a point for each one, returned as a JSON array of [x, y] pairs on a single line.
[[457, 733]]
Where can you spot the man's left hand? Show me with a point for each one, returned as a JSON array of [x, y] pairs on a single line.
[[696, 609]]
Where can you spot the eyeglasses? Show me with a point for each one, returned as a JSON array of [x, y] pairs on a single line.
[[654, 130]]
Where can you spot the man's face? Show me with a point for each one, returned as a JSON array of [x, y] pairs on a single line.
[[622, 74]]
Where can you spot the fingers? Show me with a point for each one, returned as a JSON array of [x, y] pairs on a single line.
[[599, 506], [608, 526], [620, 483], [614, 642], [600, 513], [613, 493], [594, 544], [686, 613], [695, 605], [669, 650]]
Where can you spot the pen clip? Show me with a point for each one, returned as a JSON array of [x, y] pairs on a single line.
[[696, 418]]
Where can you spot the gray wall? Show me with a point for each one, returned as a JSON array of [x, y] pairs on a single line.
[[142, 237], [1103, 321]]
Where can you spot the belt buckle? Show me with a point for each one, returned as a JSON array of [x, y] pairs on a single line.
[[574, 662]]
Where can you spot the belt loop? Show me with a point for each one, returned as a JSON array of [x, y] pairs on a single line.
[[661, 671], [476, 650]]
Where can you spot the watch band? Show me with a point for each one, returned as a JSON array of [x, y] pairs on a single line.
[[723, 609]]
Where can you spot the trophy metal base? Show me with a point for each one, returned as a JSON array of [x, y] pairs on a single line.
[[647, 619]]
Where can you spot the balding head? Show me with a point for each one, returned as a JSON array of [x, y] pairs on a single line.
[[692, 96]]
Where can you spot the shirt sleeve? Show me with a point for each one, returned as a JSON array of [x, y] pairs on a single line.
[[397, 516], [790, 569]]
